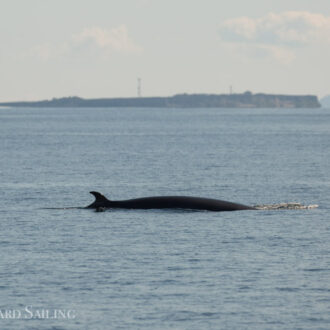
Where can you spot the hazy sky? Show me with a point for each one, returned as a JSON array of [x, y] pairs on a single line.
[[98, 48]]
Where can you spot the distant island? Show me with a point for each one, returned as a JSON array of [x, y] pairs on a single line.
[[325, 101], [244, 100]]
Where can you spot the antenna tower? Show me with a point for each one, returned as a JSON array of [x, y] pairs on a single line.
[[139, 87]]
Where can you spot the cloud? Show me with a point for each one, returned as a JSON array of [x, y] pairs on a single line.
[[287, 28], [113, 40], [278, 34], [94, 40]]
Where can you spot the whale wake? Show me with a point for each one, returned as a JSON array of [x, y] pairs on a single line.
[[285, 206]]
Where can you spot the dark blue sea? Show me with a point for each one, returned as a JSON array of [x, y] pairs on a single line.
[[71, 268]]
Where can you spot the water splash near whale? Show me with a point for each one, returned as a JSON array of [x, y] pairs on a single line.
[[286, 206]]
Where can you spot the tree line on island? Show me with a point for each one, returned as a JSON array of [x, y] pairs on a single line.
[[243, 100]]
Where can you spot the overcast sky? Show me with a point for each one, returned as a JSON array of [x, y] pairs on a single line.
[[98, 48]]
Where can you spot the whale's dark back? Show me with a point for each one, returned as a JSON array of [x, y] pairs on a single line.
[[168, 202]]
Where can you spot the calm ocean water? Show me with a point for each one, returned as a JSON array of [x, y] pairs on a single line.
[[78, 269]]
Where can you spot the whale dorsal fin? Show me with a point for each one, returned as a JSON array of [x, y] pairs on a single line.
[[100, 200], [98, 197]]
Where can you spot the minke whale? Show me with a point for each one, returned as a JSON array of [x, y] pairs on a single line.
[[166, 202]]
